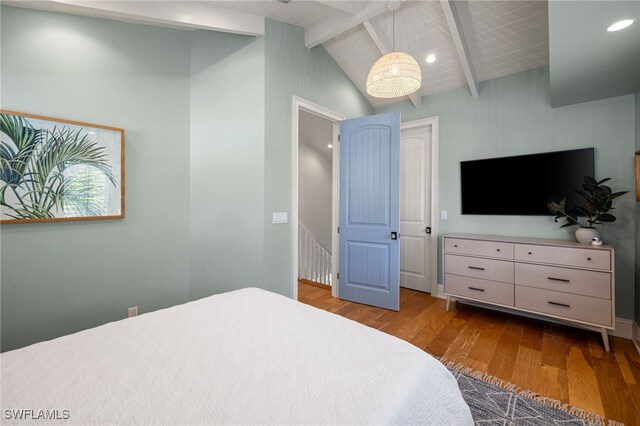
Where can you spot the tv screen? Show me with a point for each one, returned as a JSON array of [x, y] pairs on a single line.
[[524, 184]]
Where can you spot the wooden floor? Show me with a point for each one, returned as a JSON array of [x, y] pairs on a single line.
[[563, 363]]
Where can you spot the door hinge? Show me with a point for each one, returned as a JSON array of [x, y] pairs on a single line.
[[338, 138], [338, 229], [338, 275]]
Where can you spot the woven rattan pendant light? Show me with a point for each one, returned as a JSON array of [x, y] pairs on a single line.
[[395, 74]]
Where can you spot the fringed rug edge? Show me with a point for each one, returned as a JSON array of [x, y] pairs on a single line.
[[492, 380]]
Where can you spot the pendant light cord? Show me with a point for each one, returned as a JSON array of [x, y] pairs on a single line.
[[393, 30]]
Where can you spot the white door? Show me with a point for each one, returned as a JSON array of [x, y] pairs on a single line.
[[415, 208]]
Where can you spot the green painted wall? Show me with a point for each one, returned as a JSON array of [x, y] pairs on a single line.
[[586, 61], [227, 162], [513, 116], [292, 69], [208, 133], [59, 278], [637, 316]]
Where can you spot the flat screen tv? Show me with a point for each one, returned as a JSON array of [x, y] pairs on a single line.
[[524, 184]]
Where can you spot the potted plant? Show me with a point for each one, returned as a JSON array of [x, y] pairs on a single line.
[[598, 202]]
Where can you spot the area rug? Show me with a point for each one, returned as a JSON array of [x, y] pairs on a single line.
[[495, 402]]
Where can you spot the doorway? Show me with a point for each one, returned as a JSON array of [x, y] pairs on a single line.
[[418, 205], [319, 261], [315, 199], [419, 193]]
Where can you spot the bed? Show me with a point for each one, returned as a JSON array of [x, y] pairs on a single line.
[[244, 357]]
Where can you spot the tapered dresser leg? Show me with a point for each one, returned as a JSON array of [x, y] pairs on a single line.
[[605, 339], [448, 302]]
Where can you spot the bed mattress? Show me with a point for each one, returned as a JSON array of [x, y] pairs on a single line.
[[243, 357]]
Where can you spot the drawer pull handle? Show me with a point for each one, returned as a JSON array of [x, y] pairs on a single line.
[[558, 279], [497, 249], [479, 289], [559, 304], [455, 245], [530, 253], [588, 258], [476, 268]]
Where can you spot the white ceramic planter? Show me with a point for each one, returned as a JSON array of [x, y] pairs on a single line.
[[586, 235]]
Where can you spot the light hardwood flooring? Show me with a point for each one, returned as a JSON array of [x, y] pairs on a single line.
[[560, 362]]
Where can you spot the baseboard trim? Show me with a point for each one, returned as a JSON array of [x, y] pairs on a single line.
[[315, 284], [623, 328], [635, 337], [440, 294]]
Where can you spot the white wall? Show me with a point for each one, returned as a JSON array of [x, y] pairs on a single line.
[[314, 193]]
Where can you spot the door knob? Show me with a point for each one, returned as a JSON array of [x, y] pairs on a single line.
[[394, 235]]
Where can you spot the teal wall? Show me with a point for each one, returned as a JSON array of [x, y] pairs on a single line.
[[586, 62], [292, 69], [637, 213], [227, 162], [208, 133], [59, 278], [513, 116]]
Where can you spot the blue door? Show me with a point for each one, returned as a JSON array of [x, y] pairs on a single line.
[[370, 210]]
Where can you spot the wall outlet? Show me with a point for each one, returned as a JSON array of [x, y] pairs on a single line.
[[132, 312]]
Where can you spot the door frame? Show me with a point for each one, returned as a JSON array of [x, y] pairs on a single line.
[[433, 262], [300, 104]]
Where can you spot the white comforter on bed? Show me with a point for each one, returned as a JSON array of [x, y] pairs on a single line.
[[244, 357]]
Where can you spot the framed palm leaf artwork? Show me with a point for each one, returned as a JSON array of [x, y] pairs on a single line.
[[59, 170]]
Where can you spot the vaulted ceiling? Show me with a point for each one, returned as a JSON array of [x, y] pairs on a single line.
[[472, 40], [487, 39]]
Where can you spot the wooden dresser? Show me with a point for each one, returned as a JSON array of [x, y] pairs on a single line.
[[563, 280]]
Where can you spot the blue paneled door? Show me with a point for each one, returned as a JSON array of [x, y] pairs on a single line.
[[370, 210]]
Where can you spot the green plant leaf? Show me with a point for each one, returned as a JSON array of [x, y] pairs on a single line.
[[617, 194], [35, 164], [606, 217]]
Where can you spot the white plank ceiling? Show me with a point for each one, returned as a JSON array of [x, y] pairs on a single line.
[[502, 37], [301, 13]]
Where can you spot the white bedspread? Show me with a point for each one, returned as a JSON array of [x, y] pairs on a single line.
[[244, 357]]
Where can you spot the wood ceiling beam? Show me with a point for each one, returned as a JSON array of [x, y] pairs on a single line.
[[188, 14], [453, 21], [385, 47], [326, 30]]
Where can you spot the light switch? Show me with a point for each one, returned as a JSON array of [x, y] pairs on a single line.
[[443, 215], [280, 217]]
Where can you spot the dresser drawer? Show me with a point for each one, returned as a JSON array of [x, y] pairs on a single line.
[[564, 305], [479, 248], [576, 281], [474, 288], [488, 269], [588, 258]]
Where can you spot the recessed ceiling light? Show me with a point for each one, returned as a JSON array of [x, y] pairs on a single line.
[[330, 146], [431, 58], [620, 25]]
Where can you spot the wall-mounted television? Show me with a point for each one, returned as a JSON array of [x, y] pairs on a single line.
[[524, 184]]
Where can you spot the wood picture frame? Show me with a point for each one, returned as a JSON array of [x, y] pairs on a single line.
[[638, 175], [58, 170]]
